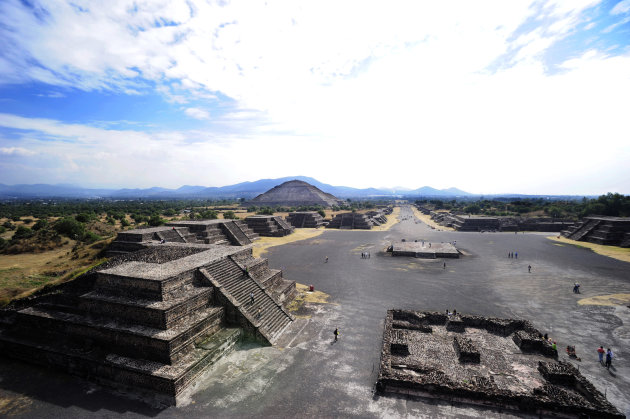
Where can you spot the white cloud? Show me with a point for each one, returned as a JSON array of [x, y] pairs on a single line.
[[358, 93], [622, 7], [15, 151], [197, 113]]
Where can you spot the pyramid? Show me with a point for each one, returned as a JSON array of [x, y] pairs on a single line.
[[295, 193]]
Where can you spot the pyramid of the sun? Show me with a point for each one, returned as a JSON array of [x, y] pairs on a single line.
[[295, 193]]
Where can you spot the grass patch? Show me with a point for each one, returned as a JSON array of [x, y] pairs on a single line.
[[606, 300], [615, 252], [261, 245]]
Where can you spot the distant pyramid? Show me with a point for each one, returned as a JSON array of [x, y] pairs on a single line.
[[295, 193]]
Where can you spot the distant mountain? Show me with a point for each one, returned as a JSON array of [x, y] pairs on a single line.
[[432, 192], [245, 190]]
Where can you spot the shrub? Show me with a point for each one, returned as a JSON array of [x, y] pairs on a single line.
[[230, 215], [124, 222], [70, 227], [208, 215], [40, 224], [156, 220], [84, 217], [322, 213], [22, 233], [91, 237], [28, 220]]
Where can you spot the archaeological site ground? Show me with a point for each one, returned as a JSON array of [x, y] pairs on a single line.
[[398, 353]]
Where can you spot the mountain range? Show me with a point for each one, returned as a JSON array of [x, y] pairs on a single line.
[[246, 190]]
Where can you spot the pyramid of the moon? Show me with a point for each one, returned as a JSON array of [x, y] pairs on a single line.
[[295, 193]]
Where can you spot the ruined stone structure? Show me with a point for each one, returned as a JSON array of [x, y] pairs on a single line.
[[424, 250], [295, 193], [353, 220], [269, 225], [221, 232], [151, 321], [502, 363], [465, 222], [613, 231], [305, 219]]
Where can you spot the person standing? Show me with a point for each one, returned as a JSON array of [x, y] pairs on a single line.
[[326, 259], [601, 352], [444, 267], [251, 298], [336, 332], [529, 268], [515, 255], [609, 357]]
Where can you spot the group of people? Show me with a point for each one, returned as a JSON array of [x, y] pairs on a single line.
[[512, 255], [449, 313], [609, 356], [576, 288], [365, 255]]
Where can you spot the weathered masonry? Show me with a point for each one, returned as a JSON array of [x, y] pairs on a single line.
[[601, 230], [501, 363], [151, 321]]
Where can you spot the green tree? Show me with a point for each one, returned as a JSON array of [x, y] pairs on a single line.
[[230, 215], [156, 220]]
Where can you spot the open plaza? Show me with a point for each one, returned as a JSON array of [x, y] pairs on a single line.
[[309, 373]]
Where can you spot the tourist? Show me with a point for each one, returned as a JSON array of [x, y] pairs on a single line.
[[601, 352], [251, 298], [515, 255], [576, 288], [609, 357], [259, 314], [554, 346], [326, 259], [336, 332], [454, 312], [444, 266], [546, 337], [529, 268], [369, 255]]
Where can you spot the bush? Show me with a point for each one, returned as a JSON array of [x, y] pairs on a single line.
[[124, 222], [40, 224], [208, 215], [28, 220], [3, 244], [230, 215], [2, 229], [156, 220], [265, 211], [22, 233], [322, 213], [90, 237], [15, 218], [8, 225], [84, 217], [70, 227]]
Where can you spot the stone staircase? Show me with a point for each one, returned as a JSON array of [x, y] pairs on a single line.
[[230, 280], [251, 235], [583, 229], [235, 234], [269, 225]]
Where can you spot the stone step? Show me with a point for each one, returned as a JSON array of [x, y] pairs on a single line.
[[165, 346], [151, 313]]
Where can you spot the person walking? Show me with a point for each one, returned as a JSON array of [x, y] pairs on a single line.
[[529, 268], [326, 259], [444, 267], [609, 357], [336, 332], [251, 298], [515, 255], [601, 352]]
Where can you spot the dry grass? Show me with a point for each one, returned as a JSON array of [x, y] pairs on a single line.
[[261, 245], [23, 274], [392, 220], [615, 252], [607, 300], [428, 221], [304, 296]]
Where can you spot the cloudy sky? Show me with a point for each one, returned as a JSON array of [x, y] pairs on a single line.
[[487, 96]]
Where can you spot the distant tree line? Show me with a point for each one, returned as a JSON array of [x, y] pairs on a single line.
[[611, 204]]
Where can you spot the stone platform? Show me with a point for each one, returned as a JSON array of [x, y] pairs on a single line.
[[503, 363], [425, 250], [152, 321]]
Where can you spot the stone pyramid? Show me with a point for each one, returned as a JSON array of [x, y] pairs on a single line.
[[295, 193]]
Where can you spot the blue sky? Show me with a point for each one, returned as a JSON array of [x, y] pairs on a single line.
[[489, 97]]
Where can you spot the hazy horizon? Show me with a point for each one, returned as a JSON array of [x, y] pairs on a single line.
[[490, 97]]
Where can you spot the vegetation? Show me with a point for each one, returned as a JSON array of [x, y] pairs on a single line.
[[609, 204]]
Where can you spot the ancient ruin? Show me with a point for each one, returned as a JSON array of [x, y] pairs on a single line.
[[150, 321], [467, 222], [355, 220], [220, 232], [295, 193], [424, 250], [500, 363], [613, 231], [305, 219], [269, 225]]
